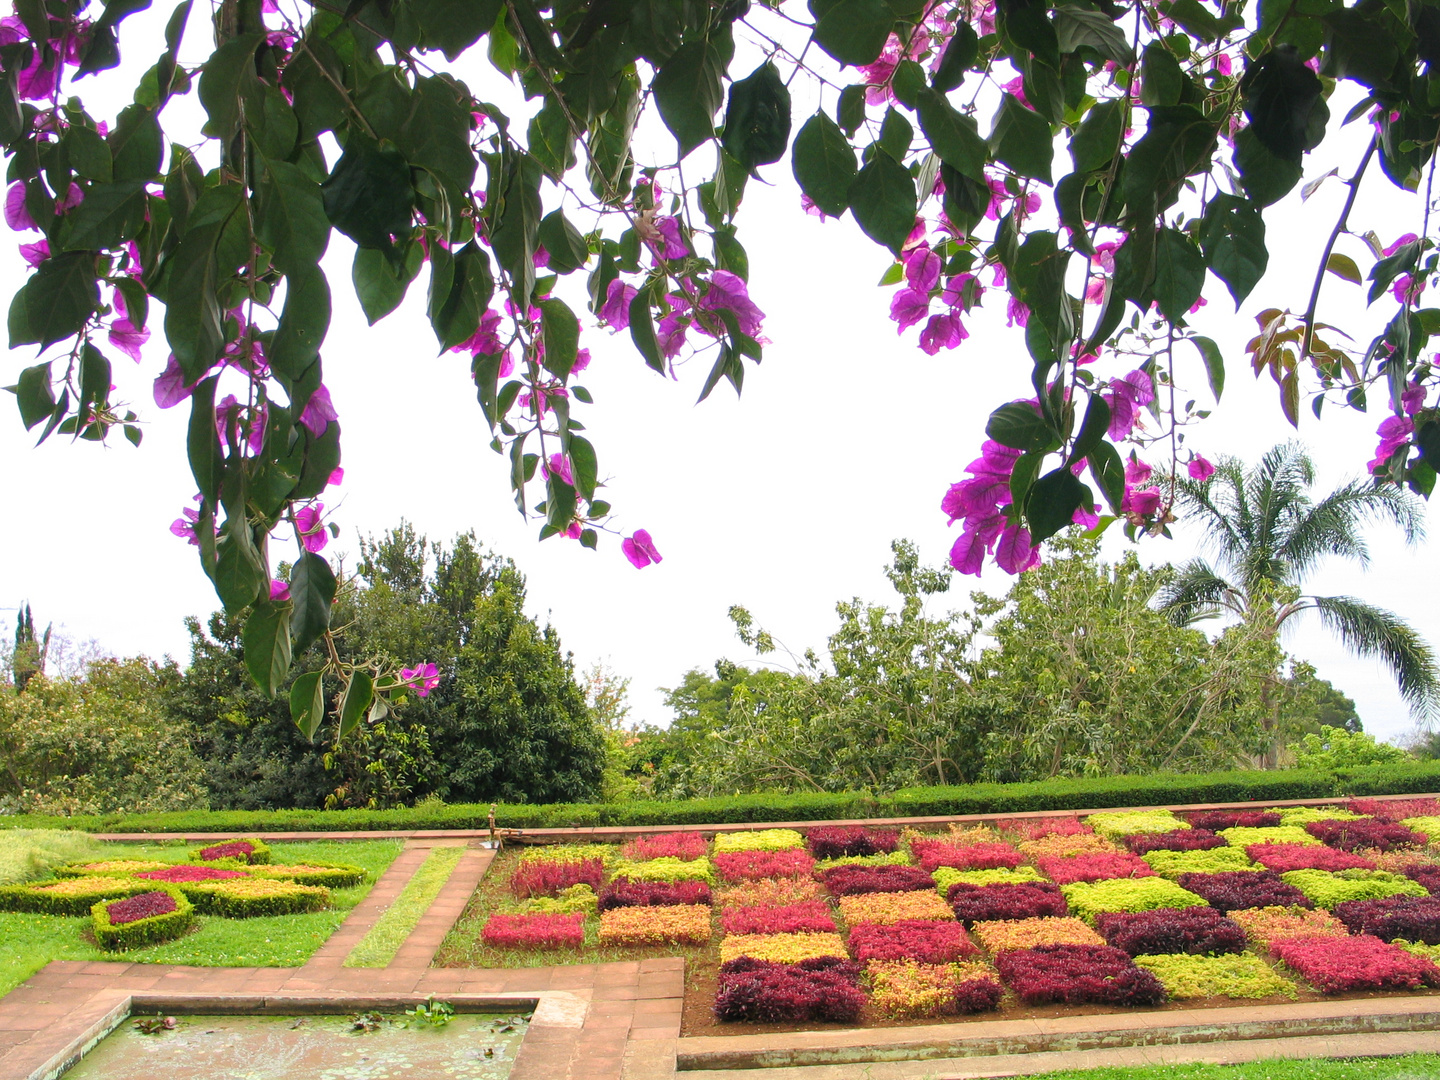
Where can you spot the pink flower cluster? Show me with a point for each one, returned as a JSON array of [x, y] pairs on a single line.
[[1066, 870], [233, 849], [993, 903], [755, 865], [534, 931], [977, 503], [1198, 930], [806, 917], [1283, 858], [1395, 809], [844, 841], [935, 853], [1078, 975], [421, 679], [679, 845], [174, 874], [145, 906], [925, 941], [1341, 965], [549, 878], [858, 880], [654, 894]]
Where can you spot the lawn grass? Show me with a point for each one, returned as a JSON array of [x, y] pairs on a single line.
[[29, 942], [29, 854], [1406, 1067], [378, 947]]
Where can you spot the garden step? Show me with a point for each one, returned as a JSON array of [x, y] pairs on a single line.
[[1363, 1019]]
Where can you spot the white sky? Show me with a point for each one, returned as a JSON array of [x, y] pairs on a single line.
[[785, 501]]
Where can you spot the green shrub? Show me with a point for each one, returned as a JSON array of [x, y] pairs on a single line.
[[1089, 899], [1171, 864], [331, 875], [141, 932], [69, 896], [759, 840], [576, 898], [244, 898], [668, 868], [889, 858], [945, 876], [30, 854], [1131, 822], [1326, 888], [1430, 826], [1242, 836], [1237, 976], [1407, 779]]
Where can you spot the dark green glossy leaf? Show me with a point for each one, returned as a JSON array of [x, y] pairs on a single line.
[[1076, 27], [307, 703], [35, 395], [1097, 140], [380, 283], [240, 579], [359, 695], [1020, 427], [850, 109], [688, 93], [757, 118], [1232, 236], [1161, 80], [472, 284], [561, 330], [960, 53], [221, 82], [304, 321], [1053, 500], [1092, 428], [136, 145], [202, 444], [1283, 102], [1265, 177], [291, 218], [110, 215], [266, 639], [1108, 472], [312, 592], [883, 200], [642, 332], [1214, 363], [368, 196], [953, 136], [57, 301], [567, 248], [852, 31], [1021, 139], [584, 466], [1179, 273], [452, 26], [513, 237], [824, 164]]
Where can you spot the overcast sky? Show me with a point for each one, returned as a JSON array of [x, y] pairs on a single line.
[[785, 501]]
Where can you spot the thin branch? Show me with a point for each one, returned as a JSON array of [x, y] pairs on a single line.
[[1354, 185]]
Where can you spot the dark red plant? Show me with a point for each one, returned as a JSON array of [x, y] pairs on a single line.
[[1395, 809], [1427, 874], [806, 917], [844, 841], [760, 992], [1411, 918], [653, 894], [757, 865], [1094, 866], [1215, 820], [1078, 975], [548, 878], [854, 880], [978, 995], [145, 906], [1350, 835], [1174, 840], [986, 903], [534, 931], [1236, 890], [1283, 858], [1339, 965], [934, 854], [191, 873], [1198, 930], [922, 940], [232, 849], [678, 845]]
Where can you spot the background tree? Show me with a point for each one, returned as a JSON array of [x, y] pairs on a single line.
[[1267, 535], [27, 658]]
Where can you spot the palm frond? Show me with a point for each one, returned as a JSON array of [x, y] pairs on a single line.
[[1196, 592], [1371, 631]]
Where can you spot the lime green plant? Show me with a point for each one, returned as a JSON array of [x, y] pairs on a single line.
[[1238, 976]]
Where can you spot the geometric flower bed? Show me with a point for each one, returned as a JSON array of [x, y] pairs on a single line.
[[252, 852], [1122, 909], [146, 919]]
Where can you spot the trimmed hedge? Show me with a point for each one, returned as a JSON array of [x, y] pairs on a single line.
[[69, 896], [1261, 786], [151, 930], [245, 850], [248, 897], [331, 875]]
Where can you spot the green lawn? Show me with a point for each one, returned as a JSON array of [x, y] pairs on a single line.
[[29, 942], [1408, 1067]]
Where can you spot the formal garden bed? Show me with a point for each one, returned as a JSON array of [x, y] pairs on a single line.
[[843, 926], [238, 904]]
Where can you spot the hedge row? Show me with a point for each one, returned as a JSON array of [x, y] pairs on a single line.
[[1109, 791]]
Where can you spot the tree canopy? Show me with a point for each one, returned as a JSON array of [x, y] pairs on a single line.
[[1108, 165]]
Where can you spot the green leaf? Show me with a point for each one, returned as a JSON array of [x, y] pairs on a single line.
[[58, 300], [304, 322], [266, 639], [202, 443], [1214, 363], [472, 284], [850, 109], [513, 237], [852, 31], [307, 703], [312, 591], [368, 194], [883, 200], [99, 51], [1092, 428], [291, 218], [688, 93], [1053, 500], [1020, 427], [240, 579], [1386, 270], [452, 26], [567, 247], [953, 136], [1342, 266], [380, 283], [274, 126], [192, 311], [1022, 140], [757, 119], [551, 139], [1284, 104], [1161, 80], [907, 82], [561, 331], [1097, 140], [35, 395], [359, 694], [824, 164], [221, 81], [1232, 236], [961, 52], [1179, 274], [584, 466], [642, 332], [1108, 472], [1360, 47], [136, 144], [1077, 26], [896, 135], [89, 156]]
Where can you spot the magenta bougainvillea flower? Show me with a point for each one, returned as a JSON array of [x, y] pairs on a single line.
[[1200, 469], [309, 522], [279, 590], [422, 679], [318, 412], [727, 292], [640, 550], [615, 312], [1126, 397]]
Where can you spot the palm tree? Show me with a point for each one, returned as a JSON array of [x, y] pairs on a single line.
[[1266, 535]]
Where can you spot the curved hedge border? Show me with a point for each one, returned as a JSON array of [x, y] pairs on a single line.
[[245, 898], [1110, 791], [151, 931], [77, 897]]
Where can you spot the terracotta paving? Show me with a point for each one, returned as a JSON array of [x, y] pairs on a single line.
[[621, 1021]]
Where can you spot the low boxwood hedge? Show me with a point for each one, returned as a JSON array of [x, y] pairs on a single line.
[[244, 851], [69, 896], [331, 875], [1239, 786], [150, 930], [244, 898]]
